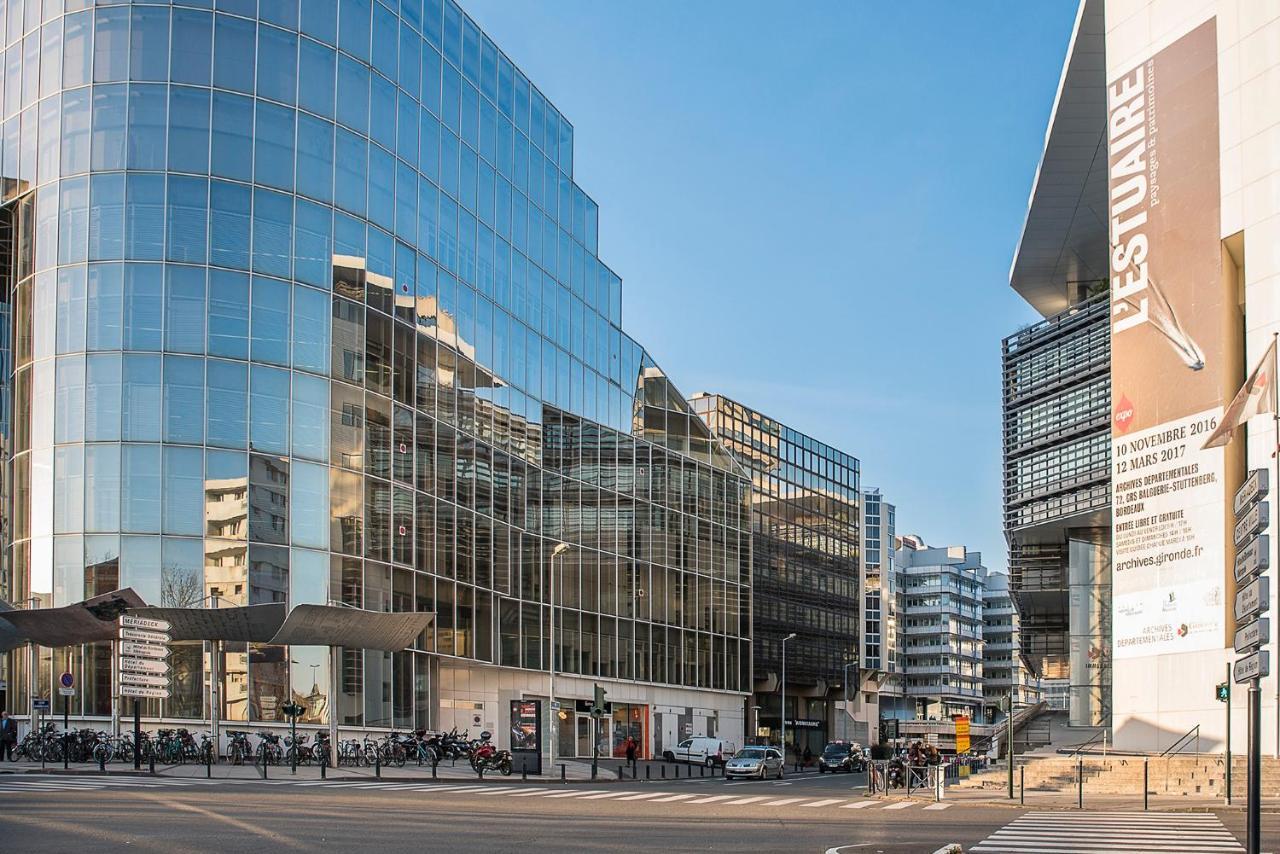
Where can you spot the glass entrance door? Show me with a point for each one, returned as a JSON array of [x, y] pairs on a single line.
[[584, 736]]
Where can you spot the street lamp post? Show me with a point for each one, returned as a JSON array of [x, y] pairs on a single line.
[[559, 550], [782, 712], [755, 727]]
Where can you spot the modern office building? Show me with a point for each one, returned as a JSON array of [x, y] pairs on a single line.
[[806, 570], [307, 306], [1057, 487], [882, 677], [1004, 673], [1158, 178], [941, 630]]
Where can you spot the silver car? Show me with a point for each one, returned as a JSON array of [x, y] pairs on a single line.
[[758, 762]]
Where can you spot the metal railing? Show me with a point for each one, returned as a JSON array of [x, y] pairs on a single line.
[[1181, 744], [884, 776]]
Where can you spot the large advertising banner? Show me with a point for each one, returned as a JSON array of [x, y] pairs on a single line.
[[1171, 363]]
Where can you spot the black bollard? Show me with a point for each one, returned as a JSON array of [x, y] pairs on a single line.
[[619, 772], [208, 764], [562, 777], [647, 769], [435, 763], [663, 768], [323, 764], [102, 762], [1146, 788], [702, 771], [377, 767], [524, 774], [151, 763]]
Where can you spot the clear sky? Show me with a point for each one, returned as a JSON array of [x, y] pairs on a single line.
[[813, 207]]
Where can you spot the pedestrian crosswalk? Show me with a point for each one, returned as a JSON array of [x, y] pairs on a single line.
[[737, 798], [1110, 833]]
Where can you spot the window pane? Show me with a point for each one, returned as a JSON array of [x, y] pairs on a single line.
[[228, 314], [192, 47], [105, 305], [233, 54], [110, 108], [141, 489], [310, 330], [102, 488], [183, 491], [187, 228], [270, 324], [353, 94], [147, 123], [316, 67], [144, 217], [277, 64], [149, 44], [273, 146], [188, 130], [184, 309], [229, 225], [310, 418], [272, 232], [311, 244], [315, 158], [232, 150], [228, 404], [102, 398], [269, 410], [143, 299], [140, 400], [106, 217], [352, 158], [111, 45], [183, 399]]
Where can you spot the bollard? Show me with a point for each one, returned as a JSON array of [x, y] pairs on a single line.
[[635, 771], [619, 772], [664, 771], [524, 773], [647, 772], [323, 765], [702, 771], [434, 764], [377, 767], [208, 765], [1080, 784], [102, 762], [1022, 786], [1145, 787], [151, 763], [562, 776], [264, 764]]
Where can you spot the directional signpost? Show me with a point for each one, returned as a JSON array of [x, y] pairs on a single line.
[[144, 646], [1253, 631]]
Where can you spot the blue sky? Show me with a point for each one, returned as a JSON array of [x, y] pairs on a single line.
[[813, 208]]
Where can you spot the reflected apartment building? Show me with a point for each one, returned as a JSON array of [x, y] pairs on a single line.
[[807, 572], [307, 306]]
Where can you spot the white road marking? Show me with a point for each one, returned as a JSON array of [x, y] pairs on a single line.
[[825, 802], [898, 805]]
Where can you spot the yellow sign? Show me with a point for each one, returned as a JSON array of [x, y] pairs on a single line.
[[962, 733]]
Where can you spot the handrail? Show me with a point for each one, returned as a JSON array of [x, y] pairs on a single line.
[[1100, 735], [1181, 743]]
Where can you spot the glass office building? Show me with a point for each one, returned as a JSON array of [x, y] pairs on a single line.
[[307, 306], [808, 566]]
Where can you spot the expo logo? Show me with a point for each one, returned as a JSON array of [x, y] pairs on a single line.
[[1123, 418]]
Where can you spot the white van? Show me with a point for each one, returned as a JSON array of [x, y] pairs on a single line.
[[701, 750]]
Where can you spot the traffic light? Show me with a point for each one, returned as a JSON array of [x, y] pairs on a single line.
[[597, 704], [1223, 692]]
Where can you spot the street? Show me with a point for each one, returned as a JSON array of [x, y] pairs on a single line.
[[54, 813]]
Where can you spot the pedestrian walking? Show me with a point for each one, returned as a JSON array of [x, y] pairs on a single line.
[[8, 736], [631, 752]]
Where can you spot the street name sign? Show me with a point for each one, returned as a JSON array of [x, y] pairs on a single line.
[[144, 665], [128, 621], [143, 635], [1253, 635], [1254, 598], [1253, 557], [143, 650], [1254, 666], [144, 646], [1254, 488], [1253, 521], [144, 679]]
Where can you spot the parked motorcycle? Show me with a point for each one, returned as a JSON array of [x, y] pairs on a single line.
[[486, 756]]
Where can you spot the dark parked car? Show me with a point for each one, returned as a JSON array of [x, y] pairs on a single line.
[[841, 756]]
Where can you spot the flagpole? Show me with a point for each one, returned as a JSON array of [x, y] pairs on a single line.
[[1275, 486]]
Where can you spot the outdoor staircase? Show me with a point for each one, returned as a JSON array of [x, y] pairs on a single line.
[[1190, 775]]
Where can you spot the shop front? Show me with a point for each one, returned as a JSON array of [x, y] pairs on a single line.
[[630, 720]]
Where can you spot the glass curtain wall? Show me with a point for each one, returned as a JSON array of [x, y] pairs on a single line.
[[307, 306]]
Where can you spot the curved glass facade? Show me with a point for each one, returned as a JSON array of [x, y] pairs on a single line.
[[307, 306]]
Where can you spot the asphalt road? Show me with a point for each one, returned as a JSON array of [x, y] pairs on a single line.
[[810, 814]]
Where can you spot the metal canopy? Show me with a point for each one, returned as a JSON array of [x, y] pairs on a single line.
[[84, 622], [353, 628], [10, 637], [245, 624]]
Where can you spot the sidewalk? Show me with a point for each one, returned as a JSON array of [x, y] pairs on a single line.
[[1043, 800], [574, 771]]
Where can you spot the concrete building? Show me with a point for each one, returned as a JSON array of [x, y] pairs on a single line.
[[941, 630], [1004, 673], [1158, 182]]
